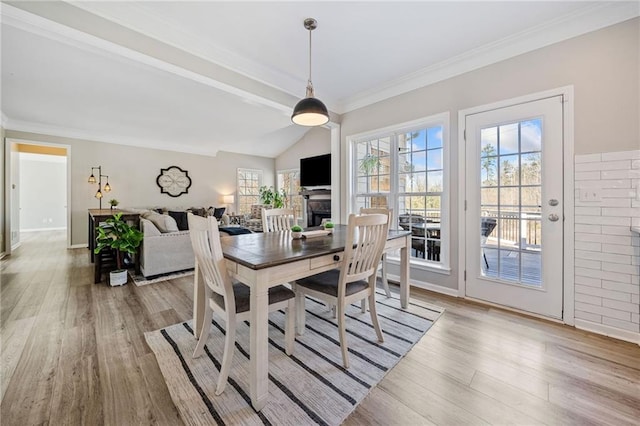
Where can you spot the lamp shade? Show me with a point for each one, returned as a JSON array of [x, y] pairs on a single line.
[[310, 112], [228, 199]]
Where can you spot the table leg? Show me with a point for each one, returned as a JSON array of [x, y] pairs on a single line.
[[199, 301], [404, 273], [259, 347]]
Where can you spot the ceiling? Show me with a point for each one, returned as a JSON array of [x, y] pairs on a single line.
[[207, 76]]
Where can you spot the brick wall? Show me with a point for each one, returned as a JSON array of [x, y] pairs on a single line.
[[607, 252]]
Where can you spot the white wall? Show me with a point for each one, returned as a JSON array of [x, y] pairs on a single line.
[[132, 175], [43, 191], [316, 141], [602, 66]]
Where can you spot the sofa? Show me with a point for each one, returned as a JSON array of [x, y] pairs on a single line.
[[165, 247]]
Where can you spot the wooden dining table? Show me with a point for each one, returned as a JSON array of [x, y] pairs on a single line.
[[264, 260]]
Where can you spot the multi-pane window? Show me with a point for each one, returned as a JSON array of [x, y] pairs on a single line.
[[249, 182], [404, 169], [289, 180]]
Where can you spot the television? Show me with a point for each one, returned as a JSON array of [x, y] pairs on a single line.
[[315, 171]]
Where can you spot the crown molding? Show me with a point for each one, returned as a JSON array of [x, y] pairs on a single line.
[[65, 132], [44, 27], [588, 19]]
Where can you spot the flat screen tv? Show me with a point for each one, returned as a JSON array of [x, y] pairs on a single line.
[[315, 171]]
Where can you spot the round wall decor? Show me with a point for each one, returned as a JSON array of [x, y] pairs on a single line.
[[173, 181]]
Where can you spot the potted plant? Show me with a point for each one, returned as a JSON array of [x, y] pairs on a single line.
[[328, 226], [277, 199], [114, 203], [118, 235], [296, 232]]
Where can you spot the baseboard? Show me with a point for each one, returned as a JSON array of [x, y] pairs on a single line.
[[76, 246], [616, 333], [427, 286], [15, 246]]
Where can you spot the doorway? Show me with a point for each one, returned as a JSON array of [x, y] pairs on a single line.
[[514, 218]]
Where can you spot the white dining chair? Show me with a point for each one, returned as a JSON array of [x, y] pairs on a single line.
[[227, 298], [277, 220], [356, 278], [383, 262]]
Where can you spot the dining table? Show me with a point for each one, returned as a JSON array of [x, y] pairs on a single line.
[[264, 260]]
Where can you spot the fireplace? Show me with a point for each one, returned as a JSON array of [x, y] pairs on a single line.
[[318, 206]]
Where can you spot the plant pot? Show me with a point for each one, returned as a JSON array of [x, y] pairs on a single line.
[[296, 235], [118, 277]]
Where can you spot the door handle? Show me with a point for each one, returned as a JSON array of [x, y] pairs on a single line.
[[553, 217]]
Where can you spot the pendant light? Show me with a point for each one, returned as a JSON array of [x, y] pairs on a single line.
[[310, 111]]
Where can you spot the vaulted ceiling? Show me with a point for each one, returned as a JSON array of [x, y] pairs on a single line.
[[207, 76]]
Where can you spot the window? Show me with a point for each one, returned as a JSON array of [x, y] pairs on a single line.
[[289, 180], [404, 168], [249, 182]]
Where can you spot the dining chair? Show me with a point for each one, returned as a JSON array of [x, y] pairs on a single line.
[[227, 298], [356, 278], [278, 220], [383, 261]]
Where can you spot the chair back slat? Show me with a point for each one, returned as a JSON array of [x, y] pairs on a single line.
[[205, 240], [277, 220], [369, 234]]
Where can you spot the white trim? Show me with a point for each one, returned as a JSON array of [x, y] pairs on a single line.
[[590, 18], [516, 310], [417, 264], [606, 330], [15, 246], [336, 186], [426, 286], [77, 246], [568, 201], [68, 177], [44, 229]]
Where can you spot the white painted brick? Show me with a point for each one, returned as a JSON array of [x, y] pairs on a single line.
[[588, 229], [617, 267], [605, 312], [604, 239], [604, 220], [590, 246], [635, 241], [586, 278], [609, 276], [603, 165], [605, 202], [621, 306], [589, 176], [587, 158], [625, 325], [587, 263], [618, 174], [635, 221], [621, 287], [617, 193], [624, 212], [635, 204], [636, 262], [629, 250], [588, 211], [591, 300], [635, 164], [635, 318], [616, 230], [635, 298], [597, 183], [621, 155], [588, 316], [601, 292], [604, 257], [634, 279]]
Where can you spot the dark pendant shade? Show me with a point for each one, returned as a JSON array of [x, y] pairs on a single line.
[[310, 112]]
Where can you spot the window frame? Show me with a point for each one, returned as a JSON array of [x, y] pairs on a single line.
[[393, 196], [260, 174], [290, 193]]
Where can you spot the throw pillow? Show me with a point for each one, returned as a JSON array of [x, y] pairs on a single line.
[[181, 219], [163, 222], [217, 212], [198, 211]]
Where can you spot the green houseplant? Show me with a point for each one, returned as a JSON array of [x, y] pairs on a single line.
[[114, 203], [118, 235], [296, 232], [277, 199]]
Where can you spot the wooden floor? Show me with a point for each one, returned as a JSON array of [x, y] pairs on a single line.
[[74, 353]]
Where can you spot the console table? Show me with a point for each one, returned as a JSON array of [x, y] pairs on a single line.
[[96, 216]]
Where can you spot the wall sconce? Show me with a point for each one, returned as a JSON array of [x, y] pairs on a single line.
[[105, 188]]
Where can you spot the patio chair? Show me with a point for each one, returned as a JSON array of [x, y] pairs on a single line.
[[487, 225]]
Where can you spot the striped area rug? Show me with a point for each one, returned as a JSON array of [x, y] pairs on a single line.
[[311, 386]]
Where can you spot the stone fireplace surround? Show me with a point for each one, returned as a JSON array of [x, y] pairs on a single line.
[[318, 205]]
